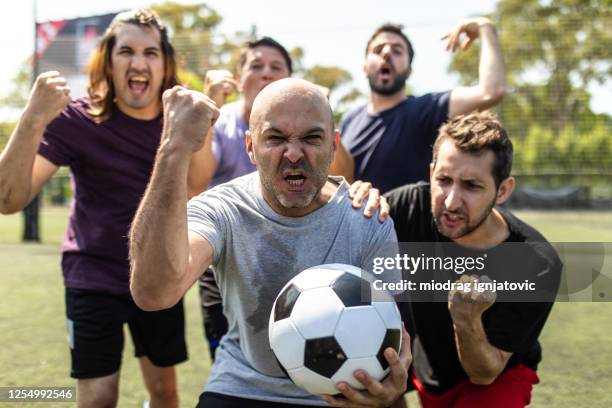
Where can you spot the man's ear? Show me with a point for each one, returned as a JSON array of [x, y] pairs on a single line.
[[505, 190], [431, 170], [248, 138]]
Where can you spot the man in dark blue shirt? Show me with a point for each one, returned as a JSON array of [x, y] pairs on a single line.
[[390, 137]]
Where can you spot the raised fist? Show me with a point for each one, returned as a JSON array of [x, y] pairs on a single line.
[[218, 85], [467, 304], [49, 97], [188, 115]]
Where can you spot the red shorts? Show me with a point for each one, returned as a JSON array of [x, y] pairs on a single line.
[[511, 389]]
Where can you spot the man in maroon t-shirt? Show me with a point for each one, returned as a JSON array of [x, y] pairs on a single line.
[[109, 141]]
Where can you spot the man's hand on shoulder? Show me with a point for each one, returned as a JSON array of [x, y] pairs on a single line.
[[361, 190], [187, 117]]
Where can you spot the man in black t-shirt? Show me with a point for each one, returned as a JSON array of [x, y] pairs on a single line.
[[471, 350]]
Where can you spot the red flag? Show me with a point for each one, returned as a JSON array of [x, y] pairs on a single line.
[[45, 34]]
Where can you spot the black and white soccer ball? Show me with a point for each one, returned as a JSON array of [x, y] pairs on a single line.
[[322, 329]]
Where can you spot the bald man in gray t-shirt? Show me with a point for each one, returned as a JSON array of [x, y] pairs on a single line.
[[256, 251], [259, 231]]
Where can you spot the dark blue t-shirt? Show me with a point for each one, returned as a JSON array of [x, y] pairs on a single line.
[[110, 165], [394, 147]]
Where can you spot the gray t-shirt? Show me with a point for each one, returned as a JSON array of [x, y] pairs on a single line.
[[256, 252]]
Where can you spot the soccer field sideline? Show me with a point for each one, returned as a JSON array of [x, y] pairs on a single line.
[[574, 372]]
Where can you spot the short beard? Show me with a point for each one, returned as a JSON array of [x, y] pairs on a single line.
[[397, 84], [283, 202], [468, 228], [318, 175]]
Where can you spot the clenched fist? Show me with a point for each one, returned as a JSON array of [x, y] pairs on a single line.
[[218, 85], [468, 305], [188, 115], [49, 97]]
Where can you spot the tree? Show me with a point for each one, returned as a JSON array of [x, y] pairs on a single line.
[[6, 128], [334, 77], [200, 47], [553, 50], [191, 27], [184, 18], [18, 96], [297, 55], [330, 77]]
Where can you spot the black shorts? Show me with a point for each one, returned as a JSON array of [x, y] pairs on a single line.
[[214, 400], [210, 295], [95, 333]]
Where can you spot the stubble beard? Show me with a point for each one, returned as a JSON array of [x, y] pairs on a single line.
[[317, 176], [397, 84], [469, 227]]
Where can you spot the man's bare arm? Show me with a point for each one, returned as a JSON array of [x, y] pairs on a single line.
[[202, 168], [491, 87], [165, 259], [22, 172], [481, 361], [218, 86]]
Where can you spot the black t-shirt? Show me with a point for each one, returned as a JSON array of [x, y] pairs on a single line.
[[394, 147], [510, 326]]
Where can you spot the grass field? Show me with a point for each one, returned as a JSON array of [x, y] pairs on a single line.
[[575, 371]]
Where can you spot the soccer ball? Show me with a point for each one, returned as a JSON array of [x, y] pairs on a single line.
[[322, 329]]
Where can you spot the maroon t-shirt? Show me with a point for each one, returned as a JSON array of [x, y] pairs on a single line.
[[110, 164]]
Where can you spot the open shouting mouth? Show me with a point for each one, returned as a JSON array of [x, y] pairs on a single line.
[[295, 179], [452, 220], [138, 84], [385, 73]]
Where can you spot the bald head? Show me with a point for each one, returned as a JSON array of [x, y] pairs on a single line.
[[292, 143], [292, 96]]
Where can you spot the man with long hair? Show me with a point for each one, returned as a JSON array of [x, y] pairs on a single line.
[[109, 140]]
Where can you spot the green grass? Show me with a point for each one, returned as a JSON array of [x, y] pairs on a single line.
[[53, 221], [33, 326], [571, 226], [575, 371]]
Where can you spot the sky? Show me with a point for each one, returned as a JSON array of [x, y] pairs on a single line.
[[330, 32]]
